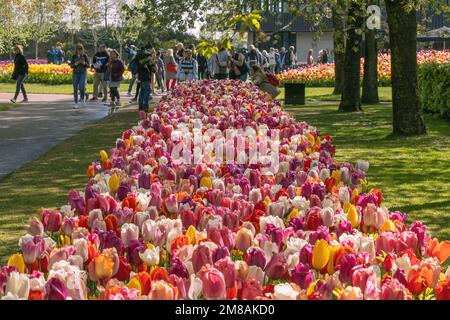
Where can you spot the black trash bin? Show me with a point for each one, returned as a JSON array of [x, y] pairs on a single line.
[[294, 93]]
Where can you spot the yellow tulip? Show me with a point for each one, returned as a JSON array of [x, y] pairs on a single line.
[[16, 260], [267, 200], [311, 139], [104, 155], [330, 266], [131, 140], [190, 233], [336, 175], [352, 216], [206, 182], [388, 226], [355, 194], [135, 284], [311, 287], [321, 254], [293, 214], [113, 183]]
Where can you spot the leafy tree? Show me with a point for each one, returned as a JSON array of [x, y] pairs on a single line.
[[12, 18]]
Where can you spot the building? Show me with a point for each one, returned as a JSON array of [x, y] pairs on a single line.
[[284, 30]]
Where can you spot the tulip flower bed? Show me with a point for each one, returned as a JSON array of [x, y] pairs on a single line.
[[322, 75], [149, 227], [46, 73]]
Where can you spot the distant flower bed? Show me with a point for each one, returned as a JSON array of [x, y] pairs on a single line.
[[46, 73], [322, 75], [30, 61]]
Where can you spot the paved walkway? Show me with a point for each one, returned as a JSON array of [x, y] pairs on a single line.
[[31, 129]]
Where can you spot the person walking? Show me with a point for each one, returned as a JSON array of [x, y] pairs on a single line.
[[20, 73], [179, 52], [283, 53], [59, 55], [153, 70], [252, 57], [289, 60], [202, 66], [132, 67], [116, 68], [187, 68], [79, 63], [171, 68], [272, 60], [310, 57], [221, 63], [160, 71], [144, 65], [99, 62], [51, 55], [277, 61]]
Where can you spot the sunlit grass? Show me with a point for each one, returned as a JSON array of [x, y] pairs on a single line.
[[412, 172], [325, 94]]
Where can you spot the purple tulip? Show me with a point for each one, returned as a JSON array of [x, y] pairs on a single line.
[[76, 201], [347, 267], [220, 253], [256, 257], [302, 275], [178, 268], [55, 289], [134, 248], [123, 191], [305, 255]]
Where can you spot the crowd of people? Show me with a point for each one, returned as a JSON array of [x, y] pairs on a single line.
[[56, 55], [155, 71]]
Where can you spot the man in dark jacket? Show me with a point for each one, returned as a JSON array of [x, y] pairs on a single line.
[[145, 64], [99, 62]]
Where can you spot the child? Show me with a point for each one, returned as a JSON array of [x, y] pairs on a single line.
[[116, 68]]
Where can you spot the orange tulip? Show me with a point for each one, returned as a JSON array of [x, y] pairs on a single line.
[[159, 273], [180, 241], [441, 251], [419, 280], [145, 281]]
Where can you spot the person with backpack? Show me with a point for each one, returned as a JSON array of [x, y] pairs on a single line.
[[132, 67], [265, 82], [79, 63], [20, 73], [239, 66], [99, 62], [116, 68], [145, 64], [187, 68]]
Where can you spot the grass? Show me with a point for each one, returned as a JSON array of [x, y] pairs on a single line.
[[47, 88], [39, 88], [325, 94], [6, 106], [47, 180], [412, 172]]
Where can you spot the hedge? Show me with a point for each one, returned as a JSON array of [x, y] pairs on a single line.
[[434, 88]]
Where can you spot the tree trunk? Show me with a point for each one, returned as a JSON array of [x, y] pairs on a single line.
[[338, 45], [351, 97], [370, 79], [406, 106], [36, 50]]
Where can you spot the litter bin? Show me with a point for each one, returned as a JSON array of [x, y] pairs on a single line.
[[294, 93]]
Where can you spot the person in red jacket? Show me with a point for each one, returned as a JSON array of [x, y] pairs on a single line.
[[116, 68]]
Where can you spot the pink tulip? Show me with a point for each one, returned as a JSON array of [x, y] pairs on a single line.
[[392, 289], [251, 289], [407, 240], [302, 275], [32, 248], [226, 266], [52, 220], [277, 267], [366, 280], [213, 285], [200, 257], [385, 242], [55, 289], [35, 227]]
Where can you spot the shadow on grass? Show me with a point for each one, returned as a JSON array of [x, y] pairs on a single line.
[[413, 172], [46, 181]]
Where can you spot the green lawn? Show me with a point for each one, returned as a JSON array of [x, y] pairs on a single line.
[[325, 94], [39, 88], [412, 172], [47, 88], [6, 106], [46, 181]]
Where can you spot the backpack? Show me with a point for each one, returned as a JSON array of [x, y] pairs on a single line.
[[273, 80]]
